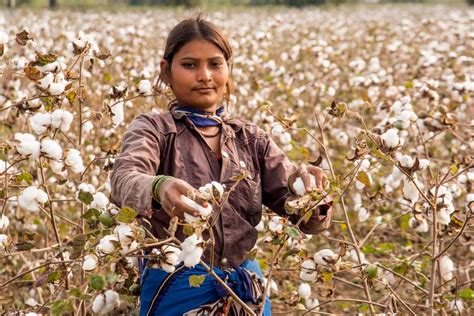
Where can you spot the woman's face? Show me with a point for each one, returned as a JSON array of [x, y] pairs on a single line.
[[199, 73]]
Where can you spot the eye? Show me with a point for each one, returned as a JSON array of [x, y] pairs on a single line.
[[188, 65], [216, 64]]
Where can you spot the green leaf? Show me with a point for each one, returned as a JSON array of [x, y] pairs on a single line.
[[106, 219], [91, 213], [77, 245], [85, 197], [25, 176], [327, 276], [364, 308], [196, 280], [53, 276], [404, 221], [61, 307], [307, 216], [71, 96], [467, 294], [263, 265], [188, 230], [453, 169], [371, 271], [97, 282], [291, 252], [293, 232], [126, 215]]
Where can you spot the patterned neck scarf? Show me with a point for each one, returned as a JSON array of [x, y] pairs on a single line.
[[199, 117]]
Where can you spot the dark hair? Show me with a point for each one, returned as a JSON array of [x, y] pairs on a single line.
[[197, 29]]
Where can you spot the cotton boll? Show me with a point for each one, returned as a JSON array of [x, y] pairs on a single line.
[[87, 127], [194, 257], [106, 244], [424, 163], [98, 304], [90, 263], [410, 191], [124, 233], [203, 211], [308, 271], [5, 240], [419, 226], [52, 149], [446, 266], [117, 113], [4, 222], [469, 198], [111, 301], [3, 38], [260, 227], [56, 88], [443, 217], [390, 138], [406, 161], [74, 161], [40, 122], [172, 254], [100, 201], [299, 187], [275, 225], [304, 290], [285, 138], [144, 87], [61, 119], [46, 81], [311, 304], [324, 257], [456, 306], [363, 214], [28, 146], [31, 302], [277, 129]]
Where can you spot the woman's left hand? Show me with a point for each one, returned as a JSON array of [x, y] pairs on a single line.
[[305, 173]]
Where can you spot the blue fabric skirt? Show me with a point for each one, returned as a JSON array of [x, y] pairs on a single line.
[[166, 294]]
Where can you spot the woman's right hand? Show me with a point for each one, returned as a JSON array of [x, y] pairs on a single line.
[[169, 193]]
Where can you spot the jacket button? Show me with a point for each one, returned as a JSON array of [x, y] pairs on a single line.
[[225, 155], [224, 261]]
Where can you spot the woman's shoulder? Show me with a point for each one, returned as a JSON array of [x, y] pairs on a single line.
[[161, 122]]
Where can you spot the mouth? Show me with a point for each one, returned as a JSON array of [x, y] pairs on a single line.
[[204, 89]]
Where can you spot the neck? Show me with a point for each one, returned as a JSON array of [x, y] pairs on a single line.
[[210, 109]]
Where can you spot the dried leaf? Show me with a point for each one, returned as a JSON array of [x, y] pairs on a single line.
[[23, 37], [33, 73]]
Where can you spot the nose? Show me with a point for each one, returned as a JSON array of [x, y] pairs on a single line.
[[204, 74]]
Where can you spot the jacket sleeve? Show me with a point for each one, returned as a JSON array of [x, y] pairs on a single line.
[[275, 169], [137, 165]]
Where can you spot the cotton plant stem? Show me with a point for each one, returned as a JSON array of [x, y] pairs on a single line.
[[434, 261], [345, 300], [269, 276], [442, 252], [53, 218], [401, 301], [403, 277], [52, 247]]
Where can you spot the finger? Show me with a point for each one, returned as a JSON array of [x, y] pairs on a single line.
[[306, 177], [318, 175], [184, 208], [199, 198]]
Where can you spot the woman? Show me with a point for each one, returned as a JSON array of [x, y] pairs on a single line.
[[168, 155]]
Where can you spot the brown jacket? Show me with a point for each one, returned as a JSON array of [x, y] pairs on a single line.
[[168, 144]]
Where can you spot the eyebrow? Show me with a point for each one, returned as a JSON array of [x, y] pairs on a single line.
[[195, 59]]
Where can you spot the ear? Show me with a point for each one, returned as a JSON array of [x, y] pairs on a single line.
[[165, 72]]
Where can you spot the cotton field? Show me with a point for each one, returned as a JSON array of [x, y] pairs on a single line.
[[380, 97]]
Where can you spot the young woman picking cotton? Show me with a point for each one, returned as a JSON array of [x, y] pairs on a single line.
[[167, 155]]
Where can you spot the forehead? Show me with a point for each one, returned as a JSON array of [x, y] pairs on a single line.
[[199, 49]]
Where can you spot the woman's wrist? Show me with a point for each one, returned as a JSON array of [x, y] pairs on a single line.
[[155, 185]]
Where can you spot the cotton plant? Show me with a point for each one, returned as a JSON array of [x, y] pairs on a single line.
[[74, 161], [168, 258]]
